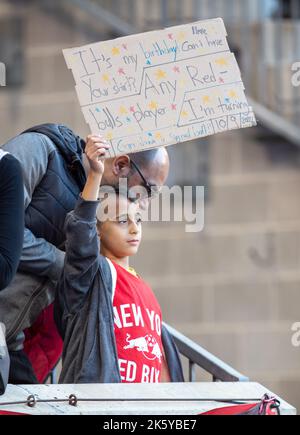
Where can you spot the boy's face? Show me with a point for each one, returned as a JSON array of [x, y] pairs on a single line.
[[120, 230]]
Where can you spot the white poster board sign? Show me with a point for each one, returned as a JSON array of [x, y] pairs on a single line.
[[160, 88]]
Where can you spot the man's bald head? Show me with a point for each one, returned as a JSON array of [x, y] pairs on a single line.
[[154, 165]]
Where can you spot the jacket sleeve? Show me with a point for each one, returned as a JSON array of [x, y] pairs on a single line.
[[11, 219], [82, 258], [38, 257]]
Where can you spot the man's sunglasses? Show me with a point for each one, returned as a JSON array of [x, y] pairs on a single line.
[[152, 189]]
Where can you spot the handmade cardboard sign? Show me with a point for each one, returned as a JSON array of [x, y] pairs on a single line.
[[161, 87]]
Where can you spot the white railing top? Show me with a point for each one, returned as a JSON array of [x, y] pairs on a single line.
[[134, 399]]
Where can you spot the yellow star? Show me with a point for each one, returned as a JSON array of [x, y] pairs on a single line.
[[206, 99], [232, 94], [123, 110], [181, 36], [109, 136], [158, 136], [153, 105], [115, 51], [221, 61], [160, 74], [182, 83], [184, 114], [105, 78]]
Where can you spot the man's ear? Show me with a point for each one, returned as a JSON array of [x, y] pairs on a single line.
[[121, 166]]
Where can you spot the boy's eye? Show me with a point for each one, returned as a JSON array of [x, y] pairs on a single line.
[[122, 220]]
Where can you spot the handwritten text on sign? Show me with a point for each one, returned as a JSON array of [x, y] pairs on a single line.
[[160, 88]]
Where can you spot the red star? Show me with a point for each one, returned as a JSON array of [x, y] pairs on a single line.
[[132, 109], [176, 69], [170, 36], [121, 71], [221, 80], [174, 107]]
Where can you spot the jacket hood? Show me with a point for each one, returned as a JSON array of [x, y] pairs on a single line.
[[70, 145]]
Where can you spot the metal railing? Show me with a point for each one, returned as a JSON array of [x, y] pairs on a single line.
[[264, 34], [198, 356]]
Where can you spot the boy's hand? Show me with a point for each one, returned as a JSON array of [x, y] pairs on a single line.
[[96, 150]]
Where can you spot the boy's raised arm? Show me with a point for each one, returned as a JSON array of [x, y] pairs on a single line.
[[82, 242], [95, 151]]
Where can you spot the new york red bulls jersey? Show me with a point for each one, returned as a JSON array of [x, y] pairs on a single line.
[[137, 325]]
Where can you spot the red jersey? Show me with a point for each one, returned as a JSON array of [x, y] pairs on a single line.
[[137, 326]]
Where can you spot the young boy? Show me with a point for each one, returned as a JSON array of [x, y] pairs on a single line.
[[107, 315]]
